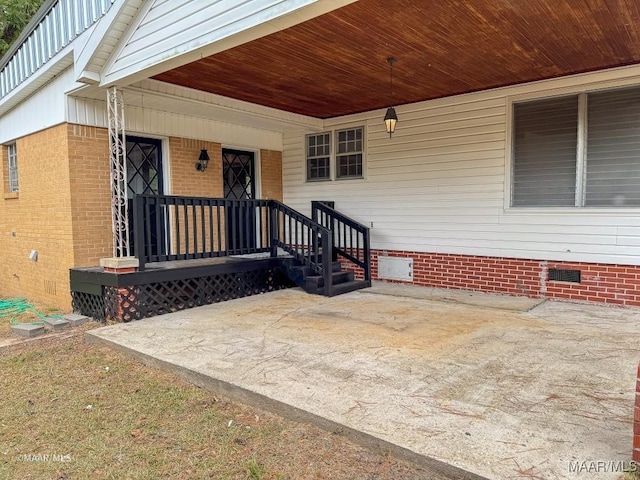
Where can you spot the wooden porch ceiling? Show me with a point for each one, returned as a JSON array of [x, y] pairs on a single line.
[[336, 64]]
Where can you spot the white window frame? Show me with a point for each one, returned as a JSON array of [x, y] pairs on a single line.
[[317, 157], [349, 153], [581, 151], [12, 164], [334, 156]]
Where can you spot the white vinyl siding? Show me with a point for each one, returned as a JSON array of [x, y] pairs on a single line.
[[43, 109], [12, 158], [442, 184]]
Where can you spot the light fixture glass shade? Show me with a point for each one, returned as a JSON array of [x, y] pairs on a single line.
[[390, 120], [203, 160]]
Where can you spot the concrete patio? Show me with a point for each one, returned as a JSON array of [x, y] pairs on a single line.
[[465, 383]]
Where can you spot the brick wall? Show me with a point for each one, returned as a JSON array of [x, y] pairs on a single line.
[[613, 284], [271, 174], [185, 179], [38, 218], [90, 190], [63, 208]]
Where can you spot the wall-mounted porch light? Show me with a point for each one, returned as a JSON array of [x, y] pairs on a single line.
[[390, 118], [203, 161]]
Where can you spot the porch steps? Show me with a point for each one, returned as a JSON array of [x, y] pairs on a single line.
[[342, 281]]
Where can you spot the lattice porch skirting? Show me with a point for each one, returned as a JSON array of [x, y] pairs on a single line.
[[133, 302]]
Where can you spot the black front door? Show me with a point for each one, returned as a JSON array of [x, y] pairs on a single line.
[[144, 176], [238, 174]]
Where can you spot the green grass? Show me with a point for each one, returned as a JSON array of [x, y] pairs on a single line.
[[101, 415]]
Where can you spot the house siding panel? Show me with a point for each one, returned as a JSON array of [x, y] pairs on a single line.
[[437, 192], [42, 110], [440, 184], [156, 122]]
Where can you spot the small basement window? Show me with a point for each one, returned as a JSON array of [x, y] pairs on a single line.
[[561, 275], [12, 163]]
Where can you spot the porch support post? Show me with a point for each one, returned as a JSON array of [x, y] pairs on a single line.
[[122, 260], [118, 173]]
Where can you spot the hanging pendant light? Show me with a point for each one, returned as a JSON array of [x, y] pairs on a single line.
[[391, 118]]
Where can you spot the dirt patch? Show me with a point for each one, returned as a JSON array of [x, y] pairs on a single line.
[[79, 411]]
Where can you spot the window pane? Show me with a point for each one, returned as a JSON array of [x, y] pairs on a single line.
[[349, 153], [350, 166], [613, 149], [544, 157], [318, 161], [12, 156]]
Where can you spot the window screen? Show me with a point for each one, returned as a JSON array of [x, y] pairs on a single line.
[[613, 149], [544, 161]]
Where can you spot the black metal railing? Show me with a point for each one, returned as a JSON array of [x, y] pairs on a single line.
[[350, 239], [304, 239], [167, 228]]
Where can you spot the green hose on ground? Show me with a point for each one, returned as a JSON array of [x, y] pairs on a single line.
[[14, 307]]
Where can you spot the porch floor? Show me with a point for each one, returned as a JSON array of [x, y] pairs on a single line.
[[498, 386]]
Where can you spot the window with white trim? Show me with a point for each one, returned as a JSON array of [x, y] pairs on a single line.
[[349, 152], [318, 157], [577, 151], [12, 161]]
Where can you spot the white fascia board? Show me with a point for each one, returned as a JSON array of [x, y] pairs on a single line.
[[87, 69], [55, 66], [287, 14]]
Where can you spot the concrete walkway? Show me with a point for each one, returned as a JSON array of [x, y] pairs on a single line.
[[498, 386]]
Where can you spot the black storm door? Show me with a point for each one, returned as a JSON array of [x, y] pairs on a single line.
[[144, 176], [238, 174]]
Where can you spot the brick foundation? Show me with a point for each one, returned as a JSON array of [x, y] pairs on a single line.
[[604, 283], [636, 422]]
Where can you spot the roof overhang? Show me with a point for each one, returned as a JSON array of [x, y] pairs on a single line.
[[335, 64]]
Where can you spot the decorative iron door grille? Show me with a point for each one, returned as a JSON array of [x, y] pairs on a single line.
[[144, 176], [238, 173]]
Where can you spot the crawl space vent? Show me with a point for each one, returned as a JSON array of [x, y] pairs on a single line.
[[559, 275]]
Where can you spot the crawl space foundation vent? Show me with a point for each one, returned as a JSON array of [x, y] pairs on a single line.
[[394, 268], [560, 275]]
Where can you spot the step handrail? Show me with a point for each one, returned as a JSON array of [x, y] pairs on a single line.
[[303, 238], [350, 238], [173, 227]]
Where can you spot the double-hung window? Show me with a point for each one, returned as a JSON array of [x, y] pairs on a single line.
[[577, 151], [345, 160], [319, 157], [12, 161], [349, 153]]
